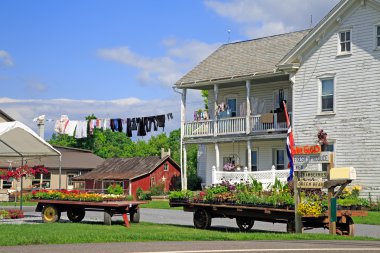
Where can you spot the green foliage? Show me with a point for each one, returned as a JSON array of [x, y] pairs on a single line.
[[157, 190], [115, 189], [204, 94], [181, 195], [194, 182], [145, 195], [139, 191]]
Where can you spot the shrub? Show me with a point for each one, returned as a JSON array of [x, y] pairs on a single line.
[[16, 214], [4, 214], [194, 182], [146, 195], [139, 191], [115, 189], [157, 190]]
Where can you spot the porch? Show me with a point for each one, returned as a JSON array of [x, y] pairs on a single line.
[[266, 177], [256, 124]]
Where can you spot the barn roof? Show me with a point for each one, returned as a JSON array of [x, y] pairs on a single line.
[[126, 168]]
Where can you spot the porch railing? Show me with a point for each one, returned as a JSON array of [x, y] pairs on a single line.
[[266, 177], [234, 125], [199, 128], [231, 125]]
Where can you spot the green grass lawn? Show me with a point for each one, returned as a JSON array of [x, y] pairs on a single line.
[[65, 233], [373, 218], [159, 205], [17, 204]]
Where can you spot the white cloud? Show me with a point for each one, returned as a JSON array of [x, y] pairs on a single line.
[[25, 110], [5, 59], [36, 86], [268, 17], [180, 57]]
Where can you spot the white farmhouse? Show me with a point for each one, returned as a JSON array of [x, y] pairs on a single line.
[[330, 78]]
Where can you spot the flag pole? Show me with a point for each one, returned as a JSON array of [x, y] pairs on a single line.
[[294, 178]]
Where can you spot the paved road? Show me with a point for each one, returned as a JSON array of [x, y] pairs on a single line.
[[178, 217], [204, 247]]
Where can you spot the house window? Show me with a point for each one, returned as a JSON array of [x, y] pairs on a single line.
[[378, 36], [280, 159], [41, 180], [345, 42], [70, 183], [327, 95], [253, 160], [329, 148], [7, 184], [231, 103], [166, 167], [278, 96]]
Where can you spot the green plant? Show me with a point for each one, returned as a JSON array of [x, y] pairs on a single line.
[[157, 190], [194, 182], [4, 214], [145, 195], [115, 189], [139, 191], [181, 195]]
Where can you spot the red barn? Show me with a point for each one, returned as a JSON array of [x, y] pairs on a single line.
[[131, 173]]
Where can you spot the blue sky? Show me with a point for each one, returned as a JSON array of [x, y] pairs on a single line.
[[120, 58]]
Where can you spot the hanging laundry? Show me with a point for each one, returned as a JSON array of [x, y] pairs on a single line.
[[70, 127], [61, 124], [170, 115], [105, 124], [141, 127], [133, 124], [148, 123], [98, 123], [129, 127], [161, 121], [92, 125], [81, 130], [112, 125], [119, 125]]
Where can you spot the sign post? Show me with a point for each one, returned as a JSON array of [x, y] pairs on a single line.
[[331, 201]]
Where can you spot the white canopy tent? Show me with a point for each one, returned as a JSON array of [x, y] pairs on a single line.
[[19, 141]]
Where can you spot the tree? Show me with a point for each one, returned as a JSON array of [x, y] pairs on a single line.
[[204, 94]]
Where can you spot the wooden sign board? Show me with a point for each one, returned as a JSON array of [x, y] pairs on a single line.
[[307, 150], [312, 174], [306, 167], [323, 157], [310, 184]]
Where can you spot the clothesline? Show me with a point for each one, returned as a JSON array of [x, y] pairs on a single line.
[[81, 128]]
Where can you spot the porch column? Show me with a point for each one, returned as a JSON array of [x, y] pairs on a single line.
[[249, 160], [130, 187], [216, 94], [248, 109], [182, 147], [184, 171], [217, 157]]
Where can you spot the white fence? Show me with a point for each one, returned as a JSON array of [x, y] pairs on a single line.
[[231, 125], [199, 128], [266, 177]]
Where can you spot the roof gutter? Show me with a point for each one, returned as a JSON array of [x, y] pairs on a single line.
[[252, 76]]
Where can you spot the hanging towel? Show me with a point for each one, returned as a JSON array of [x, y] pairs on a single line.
[[267, 118], [119, 125], [70, 127], [92, 124], [81, 130], [61, 124], [104, 124], [141, 127]]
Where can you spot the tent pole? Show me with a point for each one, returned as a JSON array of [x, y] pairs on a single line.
[[60, 171]]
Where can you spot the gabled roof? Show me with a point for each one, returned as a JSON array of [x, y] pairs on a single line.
[[258, 56], [6, 116], [317, 33], [126, 168]]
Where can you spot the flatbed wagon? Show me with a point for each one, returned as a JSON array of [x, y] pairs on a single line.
[[246, 216], [76, 210]]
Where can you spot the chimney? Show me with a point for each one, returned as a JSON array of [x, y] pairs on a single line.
[[163, 153]]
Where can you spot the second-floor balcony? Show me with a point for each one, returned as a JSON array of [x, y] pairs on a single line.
[[257, 124]]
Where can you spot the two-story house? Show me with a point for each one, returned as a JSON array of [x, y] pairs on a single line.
[[329, 77]]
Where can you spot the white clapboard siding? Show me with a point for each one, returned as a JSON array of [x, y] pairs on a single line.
[[355, 127]]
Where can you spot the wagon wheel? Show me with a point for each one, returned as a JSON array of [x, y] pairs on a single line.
[[76, 214], [244, 223], [202, 218], [347, 228], [107, 217], [135, 216], [50, 214]]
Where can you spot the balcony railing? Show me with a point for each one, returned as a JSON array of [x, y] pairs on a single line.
[[231, 125], [235, 125]]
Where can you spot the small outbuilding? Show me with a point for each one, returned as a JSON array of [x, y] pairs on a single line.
[[131, 173]]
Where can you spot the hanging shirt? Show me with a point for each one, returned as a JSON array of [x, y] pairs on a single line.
[[161, 121], [61, 124], [70, 128]]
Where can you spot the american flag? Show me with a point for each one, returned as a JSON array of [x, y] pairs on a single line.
[[289, 144]]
